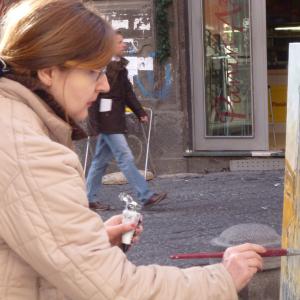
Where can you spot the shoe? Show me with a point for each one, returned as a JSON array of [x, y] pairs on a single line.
[[97, 206], [155, 199]]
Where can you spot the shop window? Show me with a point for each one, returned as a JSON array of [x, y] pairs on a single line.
[[228, 68]]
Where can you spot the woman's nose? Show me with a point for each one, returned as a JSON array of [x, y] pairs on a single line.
[[102, 85]]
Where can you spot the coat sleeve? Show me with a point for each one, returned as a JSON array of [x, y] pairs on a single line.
[[130, 98], [44, 218]]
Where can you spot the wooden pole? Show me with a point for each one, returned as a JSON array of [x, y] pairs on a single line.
[[290, 268]]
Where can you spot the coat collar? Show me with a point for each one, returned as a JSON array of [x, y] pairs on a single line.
[[117, 65], [59, 129]]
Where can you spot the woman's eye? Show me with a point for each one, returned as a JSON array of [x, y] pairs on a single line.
[[93, 74]]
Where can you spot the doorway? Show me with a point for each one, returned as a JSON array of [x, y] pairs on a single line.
[[283, 27], [228, 69]]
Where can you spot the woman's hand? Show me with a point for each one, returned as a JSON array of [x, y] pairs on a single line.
[[115, 229], [242, 262]]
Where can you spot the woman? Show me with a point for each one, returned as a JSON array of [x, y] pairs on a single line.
[[53, 54]]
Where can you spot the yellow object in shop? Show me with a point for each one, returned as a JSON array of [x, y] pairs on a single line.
[[279, 96], [128, 110]]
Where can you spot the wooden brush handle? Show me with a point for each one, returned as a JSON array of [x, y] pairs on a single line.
[[271, 252]]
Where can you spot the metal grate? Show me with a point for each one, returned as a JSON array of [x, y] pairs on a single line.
[[259, 164]]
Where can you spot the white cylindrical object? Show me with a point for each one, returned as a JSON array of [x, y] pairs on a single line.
[[129, 216]]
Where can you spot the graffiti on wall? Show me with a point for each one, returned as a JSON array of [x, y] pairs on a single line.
[[136, 24], [147, 86], [142, 75]]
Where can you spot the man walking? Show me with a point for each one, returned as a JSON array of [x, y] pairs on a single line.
[[107, 118]]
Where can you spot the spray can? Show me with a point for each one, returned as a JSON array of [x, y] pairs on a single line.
[[130, 214]]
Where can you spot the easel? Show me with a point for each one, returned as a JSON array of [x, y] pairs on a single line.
[[291, 210]]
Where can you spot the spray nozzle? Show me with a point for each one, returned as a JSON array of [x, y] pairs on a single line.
[[129, 202]]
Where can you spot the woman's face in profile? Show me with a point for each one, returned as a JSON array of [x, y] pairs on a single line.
[[75, 89]]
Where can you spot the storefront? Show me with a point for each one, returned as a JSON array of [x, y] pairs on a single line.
[[238, 59], [283, 20]]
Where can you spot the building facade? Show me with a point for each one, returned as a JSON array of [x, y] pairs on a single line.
[[222, 92], [210, 98]]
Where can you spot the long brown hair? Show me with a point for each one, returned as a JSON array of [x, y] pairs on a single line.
[[45, 33]]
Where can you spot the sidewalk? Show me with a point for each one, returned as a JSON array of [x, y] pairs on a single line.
[[199, 208]]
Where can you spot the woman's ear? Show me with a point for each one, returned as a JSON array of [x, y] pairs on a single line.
[[46, 76]]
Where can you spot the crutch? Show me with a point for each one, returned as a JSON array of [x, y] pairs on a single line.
[[148, 139], [87, 148], [129, 111]]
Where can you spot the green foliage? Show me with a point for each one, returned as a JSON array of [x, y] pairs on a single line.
[[163, 47]]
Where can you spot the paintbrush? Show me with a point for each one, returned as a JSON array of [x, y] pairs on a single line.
[[271, 252]]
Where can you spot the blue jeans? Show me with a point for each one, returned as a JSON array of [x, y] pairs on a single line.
[[107, 147]]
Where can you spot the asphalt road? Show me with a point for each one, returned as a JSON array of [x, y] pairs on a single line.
[[198, 209]]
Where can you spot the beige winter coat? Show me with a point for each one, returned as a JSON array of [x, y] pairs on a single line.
[[52, 247]]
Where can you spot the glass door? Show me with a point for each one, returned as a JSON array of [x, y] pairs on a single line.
[[229, 74]]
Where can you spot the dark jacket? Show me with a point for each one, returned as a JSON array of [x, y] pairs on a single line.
[[122, 95]]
